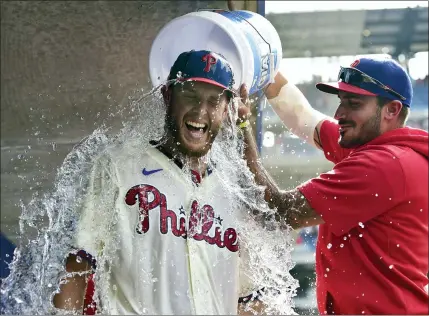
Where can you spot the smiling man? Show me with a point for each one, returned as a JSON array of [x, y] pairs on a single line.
[[372, 207], [175, 232], [187, 131]]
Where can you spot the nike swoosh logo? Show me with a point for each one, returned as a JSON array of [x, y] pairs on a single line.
[[149, 172]]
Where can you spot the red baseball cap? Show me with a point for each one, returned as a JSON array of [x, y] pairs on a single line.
[[334, 87]]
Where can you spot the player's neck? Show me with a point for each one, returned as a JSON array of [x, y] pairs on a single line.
[[198, 164]]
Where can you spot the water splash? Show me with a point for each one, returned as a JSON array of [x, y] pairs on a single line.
[[38, 266], [39, 261]]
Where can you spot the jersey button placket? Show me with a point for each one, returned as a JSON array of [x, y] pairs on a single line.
[[190, 242]]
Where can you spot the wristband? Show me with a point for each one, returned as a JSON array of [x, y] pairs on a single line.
[[244, 124]]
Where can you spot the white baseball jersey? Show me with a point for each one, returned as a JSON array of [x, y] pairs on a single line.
[[178, 242]]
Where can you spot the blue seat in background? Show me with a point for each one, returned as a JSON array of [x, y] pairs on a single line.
[[6, 255]]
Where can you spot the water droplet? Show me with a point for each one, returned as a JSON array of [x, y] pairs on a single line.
[[376, 194], [18, 300], [335, 197], [345, 238], [108, 97], [7, 255], [327, 269], [341, 245], [421, 210], [361, 224], [78, 259], [329, 246], [50, 285], [397, 245], [391, 267], [360, 235]]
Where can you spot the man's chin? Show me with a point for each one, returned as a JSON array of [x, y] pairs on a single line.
[[194, 150], [348, 144]]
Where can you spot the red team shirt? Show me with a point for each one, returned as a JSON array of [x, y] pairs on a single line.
[[372, 251]]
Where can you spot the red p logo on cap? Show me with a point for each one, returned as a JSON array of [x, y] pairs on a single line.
[[210, 60]]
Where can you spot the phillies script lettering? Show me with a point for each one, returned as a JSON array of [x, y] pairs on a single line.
[[200, 223]]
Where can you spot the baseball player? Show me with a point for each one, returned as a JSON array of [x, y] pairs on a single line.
[[174, 234], [372, 207]]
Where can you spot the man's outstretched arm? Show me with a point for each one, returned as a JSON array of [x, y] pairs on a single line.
[[292, 207], [294, 110]]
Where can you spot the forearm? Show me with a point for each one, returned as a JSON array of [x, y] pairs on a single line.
[[251, 308], [293, 108], [292, 207], [254, 163], [72, 292], [294, 210]]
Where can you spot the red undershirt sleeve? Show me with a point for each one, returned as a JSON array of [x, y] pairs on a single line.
[[329, 135]]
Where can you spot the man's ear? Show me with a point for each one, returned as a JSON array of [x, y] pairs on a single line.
[[229, 100], [393, 108], [225, 111], [166, 94]]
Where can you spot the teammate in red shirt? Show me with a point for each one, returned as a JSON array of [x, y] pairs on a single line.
[[372, 207]]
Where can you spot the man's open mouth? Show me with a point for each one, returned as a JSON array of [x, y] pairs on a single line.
[[196, 127]]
